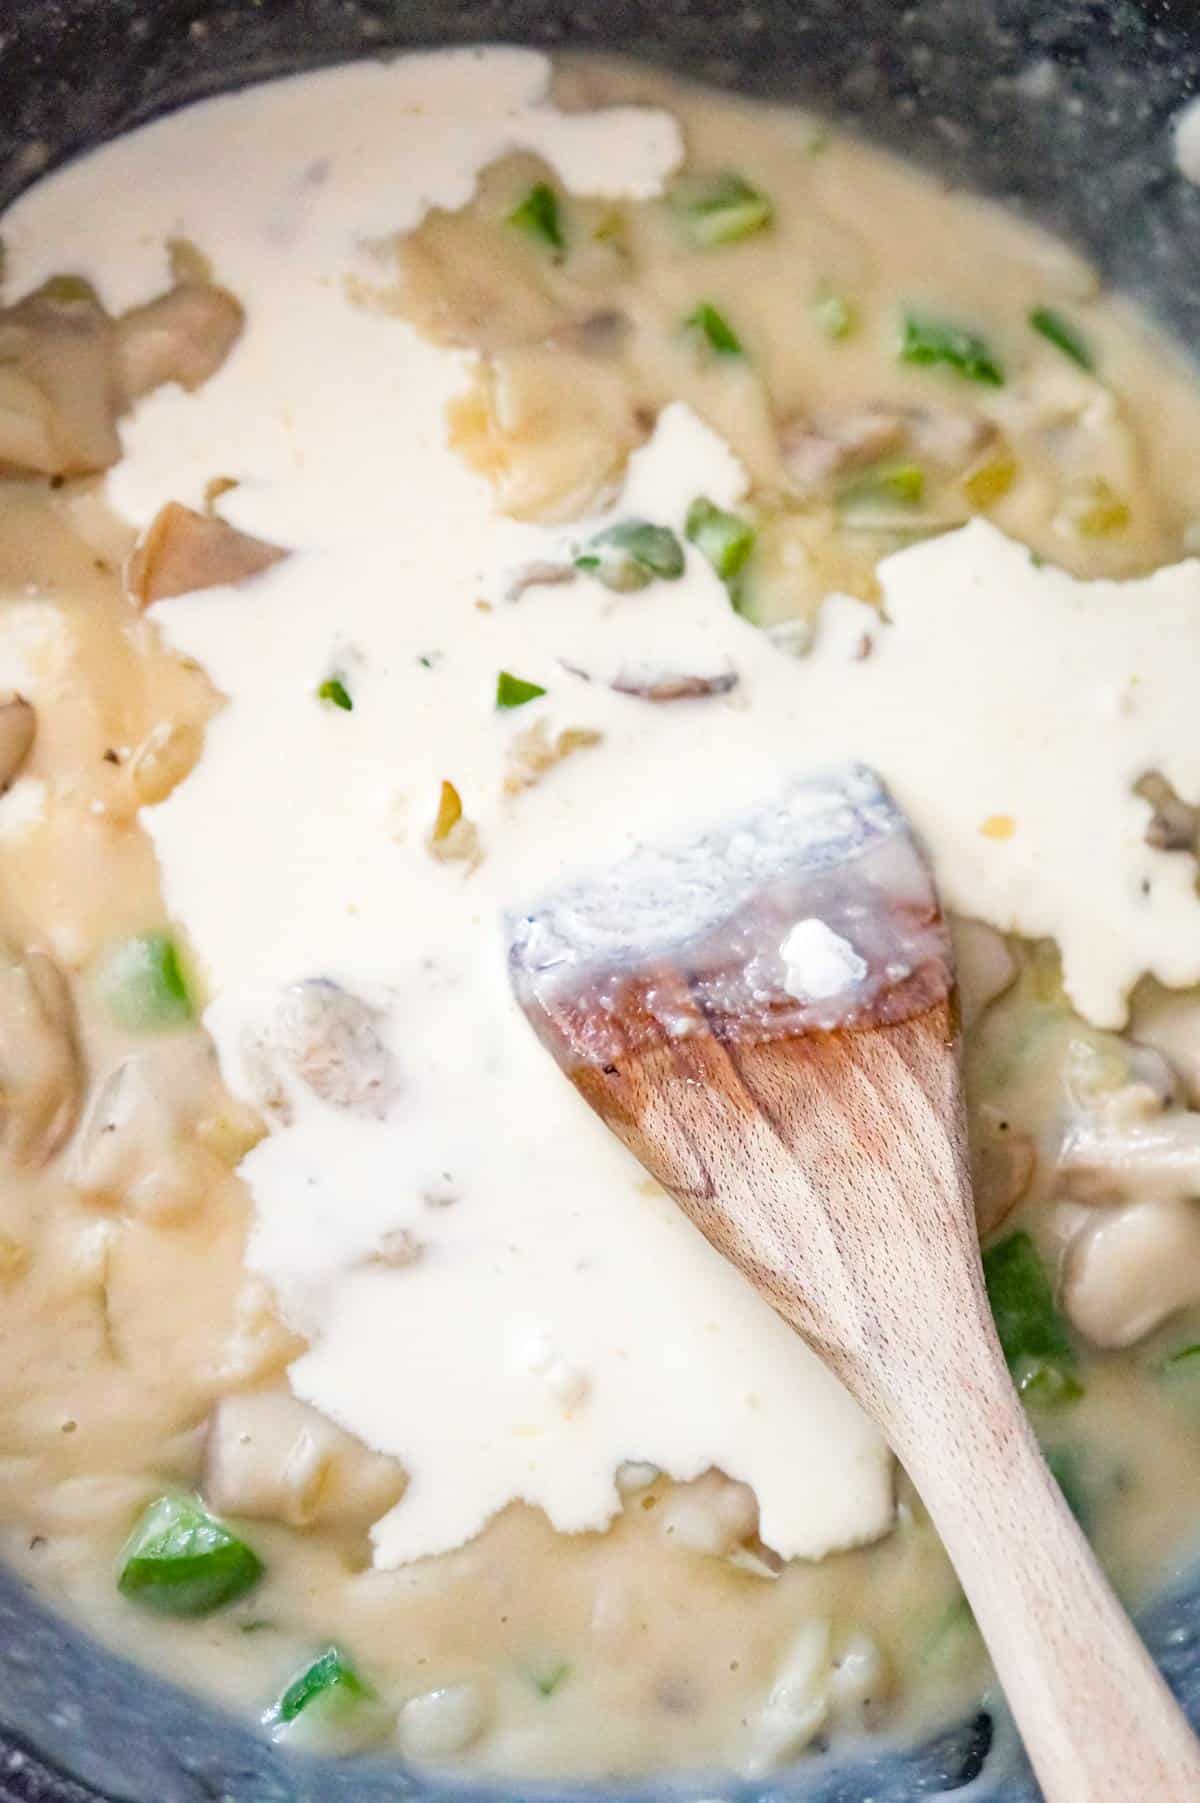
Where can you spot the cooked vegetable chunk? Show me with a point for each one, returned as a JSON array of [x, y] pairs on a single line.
[[631, 555], [724, 538], [722, 210], [538, 215], [939, 341], [334, 693], [180, 1560], [182, 551], [326, 1693], [716, 330], [1060, 332], [1033, 1334], [144, 985], [514, 691]]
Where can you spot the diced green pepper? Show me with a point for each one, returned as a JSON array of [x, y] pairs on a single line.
[[144, 985], [631, 555], [334, 691], [1065, 337], [1033, 1334], [900, 483], [180, 1560], [538, 215], [330, 1680], [1047, 1385], [931, 341], [724, 538], [836, 316], [722, 211], [1186, 1359], [514, 691], [716, 329]]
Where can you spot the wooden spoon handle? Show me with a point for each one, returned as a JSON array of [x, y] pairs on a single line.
[[1098, 1721]]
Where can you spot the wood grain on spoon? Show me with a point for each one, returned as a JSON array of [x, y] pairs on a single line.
[[817, 1140]]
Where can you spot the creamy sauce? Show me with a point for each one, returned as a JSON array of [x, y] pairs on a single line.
[[474, 1280]]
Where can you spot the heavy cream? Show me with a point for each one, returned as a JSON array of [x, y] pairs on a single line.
[[491, 1290]]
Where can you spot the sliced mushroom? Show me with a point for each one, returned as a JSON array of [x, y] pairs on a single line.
[[137, 1148], [182, 551], [182, 336], [330, 1040], [165, 756], [18, 725], [664, 686], [1168, 1021], [537, 750], [1003, 1162], [818, 450], [550, 430], [815, 451], [68, 371], [27, 439], [60, 340], [41, 1074], [797, 1706], [713, 1515], [1157, 1160], [1124, 1274], [601, 333], [271, 1457], [538, 574], [1174, 825]]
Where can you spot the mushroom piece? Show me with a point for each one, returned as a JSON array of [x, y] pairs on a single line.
[[551, 431], [667, 686], [1174, 825], [1157, 1160], [18, 725], [1003, 1162], [540, 573], [137, 1148], [271, 1457], [713, 1515], [328, 1039], [536, 750], [797, 1706], [68, 371], [1126, 1272], [1168, 1022], [182, 551], [60, 342], [816, 450], [41, 1073], [182, 336]]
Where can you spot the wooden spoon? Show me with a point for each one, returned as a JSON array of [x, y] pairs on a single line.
[[765, 1017]]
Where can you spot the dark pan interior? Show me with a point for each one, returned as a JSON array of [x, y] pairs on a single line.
[[947, 81]]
